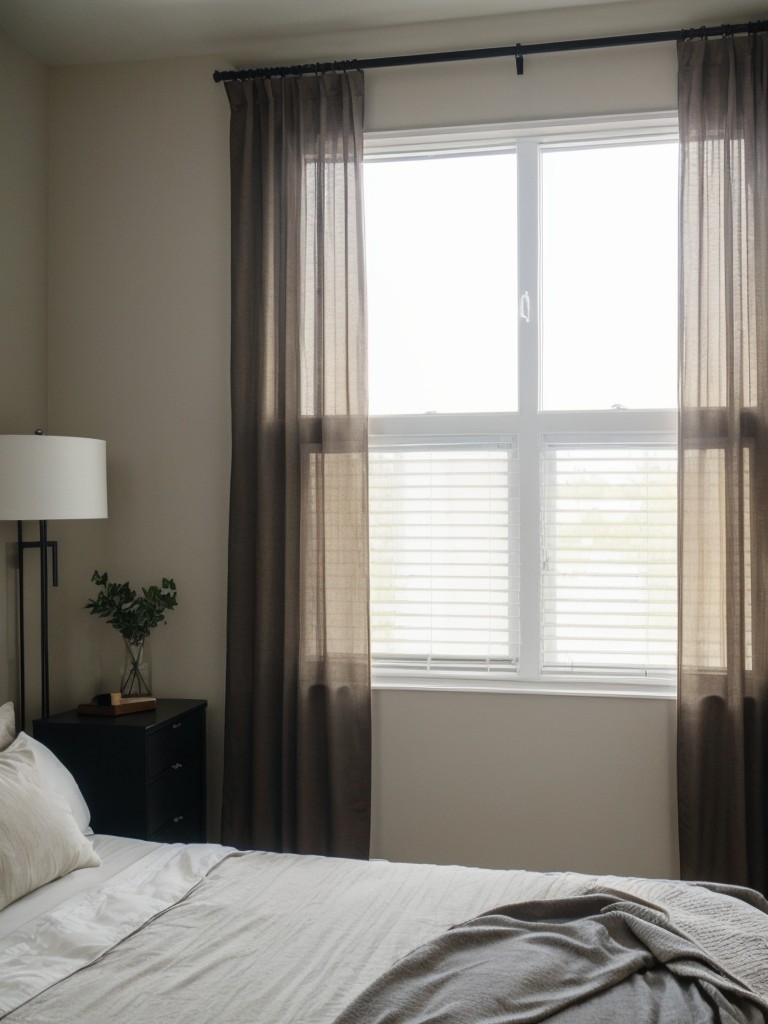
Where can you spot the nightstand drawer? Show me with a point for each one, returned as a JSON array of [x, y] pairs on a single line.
[[175, 743], [185, 827], [171, 793]]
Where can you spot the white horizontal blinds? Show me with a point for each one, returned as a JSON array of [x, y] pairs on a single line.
[[609, 577], [444, 540]]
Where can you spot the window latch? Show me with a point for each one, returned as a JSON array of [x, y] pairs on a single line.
[[525, 307]]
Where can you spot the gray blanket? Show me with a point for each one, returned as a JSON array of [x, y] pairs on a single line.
[[598, 957]]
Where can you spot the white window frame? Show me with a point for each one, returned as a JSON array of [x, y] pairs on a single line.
[[529, 424]]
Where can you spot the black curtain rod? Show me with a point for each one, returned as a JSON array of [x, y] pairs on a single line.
[[519, 51]]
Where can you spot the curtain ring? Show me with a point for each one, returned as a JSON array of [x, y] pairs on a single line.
[[519, 59]]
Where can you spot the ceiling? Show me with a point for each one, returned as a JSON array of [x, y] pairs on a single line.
[[101, 31], [85, 31]]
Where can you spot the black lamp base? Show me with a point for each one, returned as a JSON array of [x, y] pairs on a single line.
[[43, 544]]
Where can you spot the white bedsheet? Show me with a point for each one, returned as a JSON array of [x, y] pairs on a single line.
[[116, 854], [67, 924]]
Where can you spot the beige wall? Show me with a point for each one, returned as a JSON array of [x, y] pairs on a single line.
[[545, 783], [23, 260], [139, 355], [139, 312]]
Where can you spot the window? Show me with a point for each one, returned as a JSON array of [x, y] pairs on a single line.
[[522, 292]]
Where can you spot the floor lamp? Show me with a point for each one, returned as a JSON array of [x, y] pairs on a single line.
[[44, 478]]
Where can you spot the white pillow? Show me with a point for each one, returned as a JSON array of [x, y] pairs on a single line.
[[56, 776], [39, 837], [7, 725]]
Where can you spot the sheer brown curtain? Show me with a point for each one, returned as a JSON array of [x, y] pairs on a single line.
[[297, 729], [723, 696]]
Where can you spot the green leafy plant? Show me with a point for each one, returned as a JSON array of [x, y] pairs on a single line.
[[133, 615]]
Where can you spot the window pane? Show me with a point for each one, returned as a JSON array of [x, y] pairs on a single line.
[[442, 282], [444, 539], [609, 277], [609, 539]]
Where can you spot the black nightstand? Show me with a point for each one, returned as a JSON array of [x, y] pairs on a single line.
[[143, 774]]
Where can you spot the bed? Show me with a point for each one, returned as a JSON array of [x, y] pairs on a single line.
[[145, 932]]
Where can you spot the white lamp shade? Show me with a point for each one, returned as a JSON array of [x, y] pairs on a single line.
[[44, 477]]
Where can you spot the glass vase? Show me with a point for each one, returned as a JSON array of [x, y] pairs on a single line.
[[135, 680]]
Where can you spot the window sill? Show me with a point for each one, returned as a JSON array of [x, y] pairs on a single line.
[[659, 689]]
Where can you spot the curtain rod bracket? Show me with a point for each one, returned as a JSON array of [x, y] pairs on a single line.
[[519, 59]]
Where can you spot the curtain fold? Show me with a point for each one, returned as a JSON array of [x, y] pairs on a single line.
[[723, 474], [297, 728]]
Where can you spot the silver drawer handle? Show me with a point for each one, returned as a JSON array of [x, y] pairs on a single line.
[[177, 765], [176, 725], [178, 818]]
